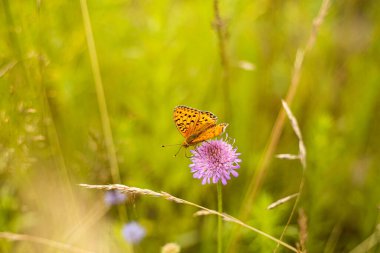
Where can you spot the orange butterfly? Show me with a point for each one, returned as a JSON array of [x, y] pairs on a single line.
[[196, 125]]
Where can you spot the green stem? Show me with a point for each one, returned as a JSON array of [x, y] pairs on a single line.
[[220, 210]]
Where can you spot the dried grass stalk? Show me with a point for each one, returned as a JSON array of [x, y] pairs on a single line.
[[282, 201], [204, 210], [39, 240]]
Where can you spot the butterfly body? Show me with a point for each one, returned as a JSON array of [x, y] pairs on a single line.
[[196, 125]]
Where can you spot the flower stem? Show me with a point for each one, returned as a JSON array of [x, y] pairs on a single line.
[[220, 210]]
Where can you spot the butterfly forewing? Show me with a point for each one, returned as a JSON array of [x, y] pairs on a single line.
[[185, 119]]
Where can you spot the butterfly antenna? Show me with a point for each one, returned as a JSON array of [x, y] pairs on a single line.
[[170, 145]]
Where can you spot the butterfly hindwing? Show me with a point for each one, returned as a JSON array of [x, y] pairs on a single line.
[[209, 133], [206, 118]]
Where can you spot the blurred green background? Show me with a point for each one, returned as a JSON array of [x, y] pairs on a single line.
[[155, 55]]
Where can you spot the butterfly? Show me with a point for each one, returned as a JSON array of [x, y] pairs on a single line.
[[196, 125]]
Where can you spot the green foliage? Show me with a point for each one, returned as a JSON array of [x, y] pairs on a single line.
[[154, 55]]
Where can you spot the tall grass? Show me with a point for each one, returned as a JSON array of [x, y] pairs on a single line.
[[87, 93]]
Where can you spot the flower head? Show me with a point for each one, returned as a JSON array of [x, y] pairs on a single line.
[[133, 232], [215, 160], [114, 198], [171, 248]]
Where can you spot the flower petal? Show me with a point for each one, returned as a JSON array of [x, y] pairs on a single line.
[[214, 161]]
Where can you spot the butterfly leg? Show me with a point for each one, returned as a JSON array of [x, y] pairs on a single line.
[[178, 151]]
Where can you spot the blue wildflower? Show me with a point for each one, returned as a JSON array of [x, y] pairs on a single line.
[[133, 232]]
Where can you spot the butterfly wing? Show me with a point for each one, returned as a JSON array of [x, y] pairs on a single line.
[[190, 121], [185, 119], [209, 133], [206, 120], [195, 125]]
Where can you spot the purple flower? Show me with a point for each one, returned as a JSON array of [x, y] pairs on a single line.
[[133, 232], [215, 160], [114, 197]]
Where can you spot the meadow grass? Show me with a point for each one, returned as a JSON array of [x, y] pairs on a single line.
[[87, 94]]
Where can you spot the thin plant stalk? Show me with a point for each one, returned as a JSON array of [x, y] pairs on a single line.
[[15, 41], [100, 93], [220, 210], [302, 158], [221, 32], [270, 148], [110, 147]]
